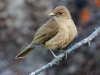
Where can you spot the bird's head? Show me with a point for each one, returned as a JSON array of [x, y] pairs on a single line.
[[61, 12]]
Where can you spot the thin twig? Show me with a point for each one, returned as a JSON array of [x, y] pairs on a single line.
[[84, 41]]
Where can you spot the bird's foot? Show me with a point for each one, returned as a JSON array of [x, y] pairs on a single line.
[[55, 56], [62, 51], [58, 59]]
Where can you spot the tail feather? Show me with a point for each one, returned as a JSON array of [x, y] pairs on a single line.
[[26, 51]]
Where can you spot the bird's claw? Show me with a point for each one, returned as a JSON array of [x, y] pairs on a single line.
[[89, 44], [58, 59], [64, 53]]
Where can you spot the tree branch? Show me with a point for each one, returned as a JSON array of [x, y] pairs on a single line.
[[84, 41]]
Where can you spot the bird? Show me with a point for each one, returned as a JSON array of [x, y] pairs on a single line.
[[56, 33]]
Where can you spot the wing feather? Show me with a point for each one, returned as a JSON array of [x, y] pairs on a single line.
[[46, 32]]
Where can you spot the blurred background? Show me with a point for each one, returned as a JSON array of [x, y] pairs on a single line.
[[19, 20]]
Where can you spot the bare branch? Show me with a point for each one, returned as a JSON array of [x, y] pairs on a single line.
[[84, 41]]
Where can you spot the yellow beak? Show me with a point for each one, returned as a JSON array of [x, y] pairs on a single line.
[[52, 14]]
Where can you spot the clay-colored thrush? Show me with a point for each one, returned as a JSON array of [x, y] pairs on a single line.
[[56, 33]]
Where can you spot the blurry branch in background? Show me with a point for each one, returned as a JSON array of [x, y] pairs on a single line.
[[77, 45]]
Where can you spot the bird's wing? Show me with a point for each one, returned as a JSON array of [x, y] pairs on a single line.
[[46, 32]]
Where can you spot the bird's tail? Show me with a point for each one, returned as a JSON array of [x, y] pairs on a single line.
[[27, 50]]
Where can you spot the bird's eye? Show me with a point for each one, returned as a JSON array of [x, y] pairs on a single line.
[[60, 12]]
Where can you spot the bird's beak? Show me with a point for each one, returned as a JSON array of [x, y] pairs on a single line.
[[52, 14]]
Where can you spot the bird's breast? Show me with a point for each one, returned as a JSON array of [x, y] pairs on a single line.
[[58, 40], [66, 33]]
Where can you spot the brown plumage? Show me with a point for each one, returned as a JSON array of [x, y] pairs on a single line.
[[57, 32]]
